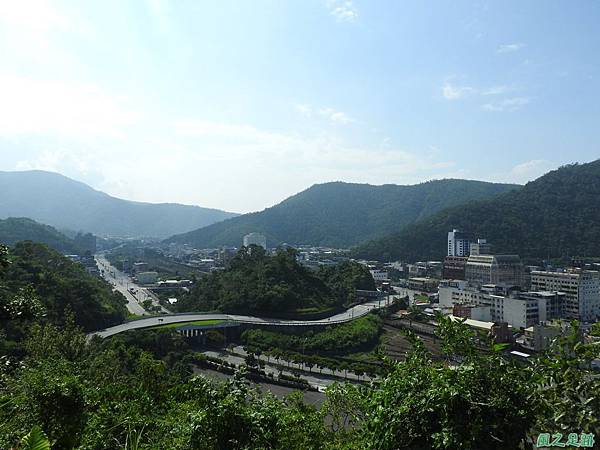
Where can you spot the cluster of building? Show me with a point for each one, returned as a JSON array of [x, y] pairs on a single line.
[[480, 285]]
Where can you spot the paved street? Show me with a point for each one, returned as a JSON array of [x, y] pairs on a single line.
[[119, 282]]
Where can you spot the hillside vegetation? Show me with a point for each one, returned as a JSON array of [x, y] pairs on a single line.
[[343, 214], [13, 230], [56, 200], [555, 216], [39, 285], [255, 283]]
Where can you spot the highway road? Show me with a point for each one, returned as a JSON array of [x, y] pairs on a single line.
[[123, 284], [346, 316]]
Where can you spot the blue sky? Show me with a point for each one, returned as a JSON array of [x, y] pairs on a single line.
[[239, 104]]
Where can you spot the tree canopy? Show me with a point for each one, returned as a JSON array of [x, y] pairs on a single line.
[[39, 284], [255, 282]]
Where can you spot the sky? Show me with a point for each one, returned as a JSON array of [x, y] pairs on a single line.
[[237, 105]]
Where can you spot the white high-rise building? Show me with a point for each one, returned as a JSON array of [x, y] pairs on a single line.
[[582, 291], [458, 244], [255, 239]]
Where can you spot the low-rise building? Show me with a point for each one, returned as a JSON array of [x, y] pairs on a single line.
[[494, 269], [423, 284], [481, 247], [379, 275], [500, 303], [453, 267], [539, 337]]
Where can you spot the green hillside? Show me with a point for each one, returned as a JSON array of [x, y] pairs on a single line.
[[343, 214], [556, 215], [13, 230], [38, 284]]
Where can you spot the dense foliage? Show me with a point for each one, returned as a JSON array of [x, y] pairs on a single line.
[[114, 393], [39, 284], [343, 214], [256, 283], [64, 203], [333, 339], [13, 230], [553, 216]]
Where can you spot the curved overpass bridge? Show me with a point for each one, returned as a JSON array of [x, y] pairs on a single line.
[[149, 322]]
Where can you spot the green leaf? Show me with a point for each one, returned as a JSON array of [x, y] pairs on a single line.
[[35, 440]]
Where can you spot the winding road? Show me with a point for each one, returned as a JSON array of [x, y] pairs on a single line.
[[346, 316]]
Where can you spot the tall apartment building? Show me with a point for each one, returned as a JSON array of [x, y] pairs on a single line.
[[458, 243], [582, 291], [255, 239], [494, 269]]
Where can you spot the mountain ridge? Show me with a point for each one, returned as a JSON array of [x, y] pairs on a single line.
[[64, 203], [340, 214], [554, 216]]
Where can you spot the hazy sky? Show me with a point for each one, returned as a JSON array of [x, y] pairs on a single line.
[[239, 104]]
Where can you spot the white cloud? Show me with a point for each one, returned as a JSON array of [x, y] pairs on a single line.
[[336, 116], [509, 104], [509, 48], [451, 92], [343, 10], [497, 90], [31, 106], [331, 114], [454, 92], [530, 170], [68, 162], [305, 110]]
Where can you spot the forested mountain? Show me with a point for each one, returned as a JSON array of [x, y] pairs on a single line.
[[13, 230], [556, 215], [38, 284], [343, 214], [255, 283], [56, 200]]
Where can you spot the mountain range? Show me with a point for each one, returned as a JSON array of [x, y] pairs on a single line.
[[556, 215], [64, 203], [343, 214]]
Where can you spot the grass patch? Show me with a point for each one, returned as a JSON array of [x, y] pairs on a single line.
[[422, 298]]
